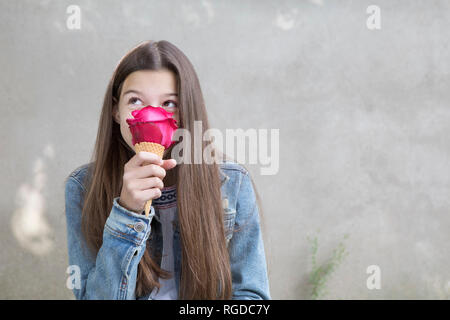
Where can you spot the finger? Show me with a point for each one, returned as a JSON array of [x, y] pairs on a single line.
[[148, 183], [149, 170], [169, 164], [152, 193], [145, 171], [144, 157]]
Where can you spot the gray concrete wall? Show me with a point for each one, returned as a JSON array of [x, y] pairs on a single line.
[[364, 121]]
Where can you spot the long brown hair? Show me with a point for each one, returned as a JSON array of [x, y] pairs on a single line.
[[205, 266]]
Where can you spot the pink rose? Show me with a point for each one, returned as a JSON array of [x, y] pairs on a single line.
[[152, 124]]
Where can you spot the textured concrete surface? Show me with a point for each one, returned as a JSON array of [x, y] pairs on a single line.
[[363, 114]]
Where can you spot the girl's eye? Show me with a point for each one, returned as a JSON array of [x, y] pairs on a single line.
[[170, 104], [134, 100]]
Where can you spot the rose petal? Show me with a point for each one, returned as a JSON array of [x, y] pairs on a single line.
[[152, 124]]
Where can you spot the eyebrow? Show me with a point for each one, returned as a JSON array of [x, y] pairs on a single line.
[[140, 93]]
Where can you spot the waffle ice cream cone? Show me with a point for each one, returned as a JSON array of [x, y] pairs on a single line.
[[149, 147]]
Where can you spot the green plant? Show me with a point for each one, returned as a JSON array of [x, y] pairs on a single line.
[[320, 274]]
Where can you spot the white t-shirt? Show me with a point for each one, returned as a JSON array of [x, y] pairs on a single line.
[[165, 207]]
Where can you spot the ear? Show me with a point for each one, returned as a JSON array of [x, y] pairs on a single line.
[[116, 114]]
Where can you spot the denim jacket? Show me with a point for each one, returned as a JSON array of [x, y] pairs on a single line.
[[112, 273]]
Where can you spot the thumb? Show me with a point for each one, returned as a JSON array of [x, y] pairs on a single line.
[[169, 164]]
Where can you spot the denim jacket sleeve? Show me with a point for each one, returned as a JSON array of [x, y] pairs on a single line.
[[246, 248], [111, 274]]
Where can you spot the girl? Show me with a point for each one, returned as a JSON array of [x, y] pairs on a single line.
[[202, 238]]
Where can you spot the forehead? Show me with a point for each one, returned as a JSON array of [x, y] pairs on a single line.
[[150, 81]]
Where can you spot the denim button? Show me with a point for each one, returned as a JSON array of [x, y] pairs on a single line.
[[138, 227]]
